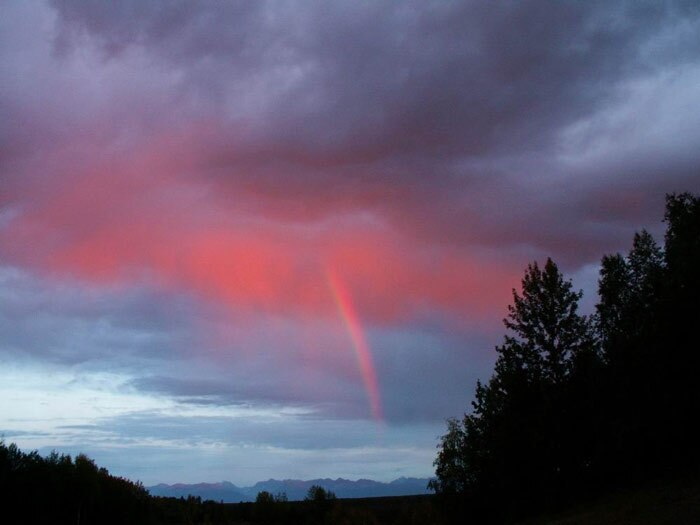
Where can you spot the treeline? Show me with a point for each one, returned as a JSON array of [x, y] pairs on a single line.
[[61, 490], [578, 405], [58, 489]]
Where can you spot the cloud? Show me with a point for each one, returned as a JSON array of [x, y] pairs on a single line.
[[66, 322], [169, 346], [232, 153], [438, 115], [179, 178]]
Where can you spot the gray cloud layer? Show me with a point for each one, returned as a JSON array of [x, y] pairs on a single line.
[[435, 114]]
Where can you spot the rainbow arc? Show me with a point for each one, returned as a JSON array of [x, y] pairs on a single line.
[[346, 309]]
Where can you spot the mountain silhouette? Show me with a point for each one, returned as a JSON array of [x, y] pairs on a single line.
[[296, 489]]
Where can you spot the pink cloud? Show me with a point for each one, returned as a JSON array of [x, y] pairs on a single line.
[[150, 215]]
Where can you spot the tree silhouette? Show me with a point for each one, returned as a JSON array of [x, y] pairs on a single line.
[[318, 494], [679, 318], [548, 331], [512, 443], [647, 316], [57, 489], [576, 405]]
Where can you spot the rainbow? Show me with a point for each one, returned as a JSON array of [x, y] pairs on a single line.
[[341, 296]]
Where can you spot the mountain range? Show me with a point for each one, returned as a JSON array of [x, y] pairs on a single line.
[[295, 489]]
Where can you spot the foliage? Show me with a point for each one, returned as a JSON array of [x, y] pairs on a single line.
[[69, 490], [576, 403], [318, 494], [511, 443]]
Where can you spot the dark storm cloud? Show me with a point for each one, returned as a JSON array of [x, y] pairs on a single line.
[[420, 112], [400, 78]]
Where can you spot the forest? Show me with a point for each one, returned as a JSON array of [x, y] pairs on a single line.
[[578, 406]]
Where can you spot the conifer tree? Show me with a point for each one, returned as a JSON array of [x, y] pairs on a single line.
[[513, 443]]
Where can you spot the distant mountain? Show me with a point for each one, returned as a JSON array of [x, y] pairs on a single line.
[[224, 491], [295, 489]]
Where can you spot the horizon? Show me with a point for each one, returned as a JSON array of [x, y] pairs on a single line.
[[286, 479], [294, 489], [279, 239]]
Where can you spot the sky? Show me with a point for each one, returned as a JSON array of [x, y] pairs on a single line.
[[244, 240]]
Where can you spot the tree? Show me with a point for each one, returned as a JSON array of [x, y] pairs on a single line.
[[548, 331], [319, 494], [264, 498], [264, 508], [452, 466], [680, 318], [683, 240], [68, 492], [514, 442], [574, 405], [614, 290]]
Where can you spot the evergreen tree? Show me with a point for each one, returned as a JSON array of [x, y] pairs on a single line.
[[513, 443], [630, 290], [680, 317], [614, 290], [559, 416], [548, 331]]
